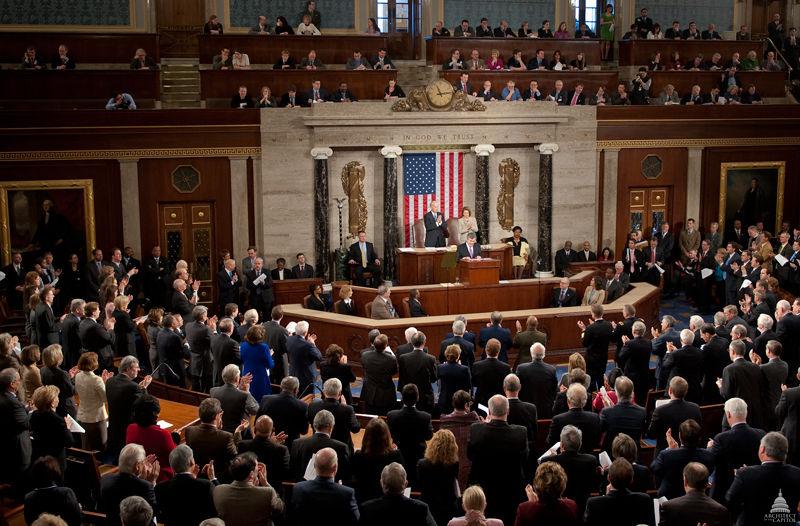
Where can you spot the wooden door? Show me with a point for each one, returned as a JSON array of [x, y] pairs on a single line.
[[763, 11], [178, 23], [648, 208], [401, 20], [186, 231]]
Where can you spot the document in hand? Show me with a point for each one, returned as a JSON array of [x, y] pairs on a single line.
[[706, 273], [780, 259]]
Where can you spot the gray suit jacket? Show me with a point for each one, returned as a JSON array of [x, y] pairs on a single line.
[[198, 337], [380, 311], [241, 503], [236, 405]]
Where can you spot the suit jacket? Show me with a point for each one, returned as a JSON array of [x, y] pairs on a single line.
[[775, 373], [715, 359], [434, 234], [584, 258], [756, 488], [744, 380], [539, 386], [634, 360], [304, 448], [224, 351], [378, 389], [185, 500], [570, 298], [562, 260], [46, 325], [209, 443], [733, 449], [668, 468], [788, 331], [415, 308], [452, 377], [625, 417], [583, 476], [55, 500], [277, 336], [463, 251], [345, 421], [70, 340], [467, 356], [243, 504], [115, 487], [15, 438], [322, 501], [236, 405], [459, 87], [288, 415], [410, 429], [523, 341], [354, 253], [670, 416], [524, 414], [617, 287], [586, 421], [181, 305], [124, 334], [307, 272], [93, 278], [121, 393], [95, 338], [580, 102], [380, 310], [275, 274], [228, 289], [273, 455], [261, 296], [596, 338], [686, 362], [171, 353], [395, 510], [619, 507], [418, 368], [501, 334], [303, 355], [788, 413], [487, 377], [198, 337], [694, 508]]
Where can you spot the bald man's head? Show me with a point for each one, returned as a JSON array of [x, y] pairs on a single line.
[[326, 462], [263, 426]]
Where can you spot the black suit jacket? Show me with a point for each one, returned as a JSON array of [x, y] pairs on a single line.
[[625, 417], [307, 273], [185, 500], [418, 368], [115, 487], [415, 309], [619, 507], [487, 377], [524, 414], [276, 339], [345, 421], [570, 298], [228, 292], [46, 325], [15, 439], [354, 253], [463, 251], [273, 455], [745, 380], [583, 258], [287, 274], [634, 360], [121, 393], [181, 305], [323, 501], [467, 356], [224, 351], [93, 278], [378, 389], [694, 508], [562, 259], [670, 416], [288, 415], [501, 334], [686, 362], [304, 448], [395, 510], [583, 476], [452, 377], [715, 359], [172, 352], [299, 100], [434, 234], [261, 296], [788, 414], [755, 489], [539, 386], [95, 338], [596, 338], [410, 429], [733, 449], [580, 102], [586, 421], [668, 466]]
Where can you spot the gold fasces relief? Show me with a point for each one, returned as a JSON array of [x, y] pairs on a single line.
[[509, 179], [353, 175]]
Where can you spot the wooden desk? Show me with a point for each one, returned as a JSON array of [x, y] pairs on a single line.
[[266, 49], [419, 266], [438, 50], [768, 83], [597, 266], [639, 52], [179, 415], [292, 290], [350, 332], [591, 80], [85, 48], [479, 271], [77, 88], [222, 85]]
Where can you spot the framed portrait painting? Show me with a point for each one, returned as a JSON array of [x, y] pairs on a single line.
[[47, 216], [752, 192]]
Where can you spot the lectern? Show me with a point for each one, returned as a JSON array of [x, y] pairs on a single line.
[[479, 271]]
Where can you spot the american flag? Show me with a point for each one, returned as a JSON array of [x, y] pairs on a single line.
[[429, 176]]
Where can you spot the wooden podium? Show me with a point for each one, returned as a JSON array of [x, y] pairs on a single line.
[[479, 271]]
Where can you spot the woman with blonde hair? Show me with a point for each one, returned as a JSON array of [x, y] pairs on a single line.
[[52, 374], [124, 328], [466, 224], [576, 361], [92, 414], [474, 503], [48, 429], [437, 476], [345, 305]]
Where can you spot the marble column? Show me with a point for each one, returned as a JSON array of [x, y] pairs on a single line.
[[545, 242], [131, 222], [694, 177], [238, 166], [610, 178], [391, 230], [482, 152], [322, 248]]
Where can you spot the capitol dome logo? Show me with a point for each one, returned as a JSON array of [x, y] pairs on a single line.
[[780, 513]]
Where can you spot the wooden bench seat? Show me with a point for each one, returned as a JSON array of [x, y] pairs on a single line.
[[591, 80], [84, 48]]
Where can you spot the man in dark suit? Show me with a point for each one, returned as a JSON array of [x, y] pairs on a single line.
[[583, 470], [418, 368], [171, 352], [208, 440], [280, 272], [670, 415], [498, 451], [755, 491], [666, 241], [97, 338], [625, 328], [287, 412], [596, 338], [15, 436], [715, 359], [363, 258], [775, 373], [788, 332], [467, 356], [524, 340], [587, 421], [70, 337], [415, 308], [155, 271], [633, 261], [538, 382], [788, 414], [564, 296], [586, 255], [624, 417], [394, 507], [464, 84], [181, 302], [303, 356], [498, 332], [14, 281], [224, 350], [228, 283], [410, 429], [668, 465], [736, 234], [469, 336], [302, 270], [488, 374], [235, 398], [292, 99], [617, 282], [686, 362], [654, 258], [93, 270], [259, 283], [277, 336], [269, 451], [378, 391], [734, 448], [619, 505], [122, 391], [304, 448], [136, 476], [316, 94], [469, 249], [186, 499], [564, 256], [695, 507], [434, 226], [522, 414], [322, 500], [576, 98], [634, 360], [343, 414], [743, 379]]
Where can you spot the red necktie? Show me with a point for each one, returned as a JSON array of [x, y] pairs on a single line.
[[633, 261], [574, 100]]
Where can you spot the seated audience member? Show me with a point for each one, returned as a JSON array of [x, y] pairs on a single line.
[[525, 30], [674, 32], [291, 99], [640, 87], [532, 93], [358, 62], [557, 63], [382, 61], [213, 26], [714, 97], [343, 94], [595, 293], [463, 84], [285, 62], [464, 30], [249, 499], [437, 476], [584, 32], [503, 31], [696, 64], [282, 26], [631, 34], [656, 63], [669, 96], [136, 477], [439, 30], [311, 62], [307, 28], [475, 61], [372, 27], [486, 92], [695, 507], [473, 501], [321, 499], [711, 33], [186, 498], [315, 299], [537, 62], [620, 97], [732, 96], [455, 61], [751, 96], [261, 28], [517, 62], [145, 431], [582, 469], [561, 32], [579, 62], [655, 33], [675, 62], [121, 101], [32, 60], [668, 465], [394, 508], [750, 62], [483, 29], [393, 90], [62, 60], [510, 92], [494, 62], [715, 64], [743, 33], [266, 100], [599, 98], [619, 505], [559, 94], [142, 61], [315, 95], [240, 60], [50, 495], [545, 503], [624, 417], [377, 451], [564, 296], [692, 32], [545, 31], [223, 61], [415, 305], [242, 99], [624, 447], [695, 98]]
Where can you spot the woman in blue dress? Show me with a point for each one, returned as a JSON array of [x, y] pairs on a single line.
[[257, 360]]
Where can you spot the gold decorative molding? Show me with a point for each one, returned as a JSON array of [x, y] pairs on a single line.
[[81, 155], [509, 173], [353, 175], [697, 143]]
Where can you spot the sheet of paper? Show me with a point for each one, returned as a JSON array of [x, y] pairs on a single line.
[[550, 452], [605, 460], [778, 258], [657, 508], [706, 272], [407, 492], [73, 426], [260, 279], [661, 402], [2, 275], [746, 283], [660, 270], [163, 424], [483, 408], [311, 471]]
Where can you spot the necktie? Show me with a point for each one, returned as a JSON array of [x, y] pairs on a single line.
[[470, 250], [563, 293], [574, 100], [474, 64], [302, 267], [316, 95], [291, 101], [633, 261], [99, 266], [652, 256], [794, 256], [363, 255]]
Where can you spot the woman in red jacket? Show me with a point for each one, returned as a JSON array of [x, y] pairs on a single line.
[[145, 431]]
